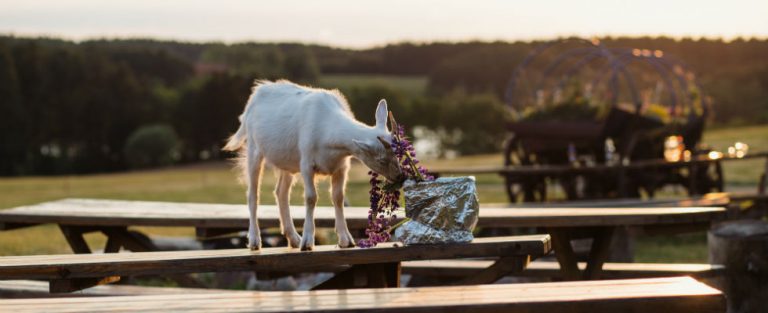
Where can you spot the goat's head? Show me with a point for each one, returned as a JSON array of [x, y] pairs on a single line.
[[376, 151]]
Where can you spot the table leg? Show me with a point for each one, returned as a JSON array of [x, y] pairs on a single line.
[[502, 267], [598, 254], [74, 236], [378, 275], [138, 242], [561, 242]]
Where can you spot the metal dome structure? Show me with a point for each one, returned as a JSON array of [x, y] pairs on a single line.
[[633, 97], [610, 68]]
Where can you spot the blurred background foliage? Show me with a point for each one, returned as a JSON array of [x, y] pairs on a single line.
[[71, 107]]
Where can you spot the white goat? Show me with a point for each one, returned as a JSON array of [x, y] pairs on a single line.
[[311, 131]]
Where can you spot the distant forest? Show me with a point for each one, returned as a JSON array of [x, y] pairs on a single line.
[[109, 105]]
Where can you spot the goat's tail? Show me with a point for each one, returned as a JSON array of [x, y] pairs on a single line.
[[237, 140]]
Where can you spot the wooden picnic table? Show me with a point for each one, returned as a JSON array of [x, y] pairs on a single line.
[[113, 217], [357, 267], [679, 294], [619, 173]]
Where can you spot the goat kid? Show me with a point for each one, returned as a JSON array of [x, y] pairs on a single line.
[[312, 132]]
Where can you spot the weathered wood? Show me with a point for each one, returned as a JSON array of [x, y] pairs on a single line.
[[548, 269], [716, 199], [74, 237], [137, 242], [742, 246], [12, 226], [141, 213], [40, 289], [572, 170], [599, 252], [500, 268], [112, 246], [377, 275], [561, 243], [641, 295], [75, 284], [209, 233], [268, 259]]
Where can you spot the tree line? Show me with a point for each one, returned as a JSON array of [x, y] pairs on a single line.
[[107, 105]]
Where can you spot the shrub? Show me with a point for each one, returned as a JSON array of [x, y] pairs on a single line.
[[152, 145]]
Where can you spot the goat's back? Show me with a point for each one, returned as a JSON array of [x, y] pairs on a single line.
[[281, 118]]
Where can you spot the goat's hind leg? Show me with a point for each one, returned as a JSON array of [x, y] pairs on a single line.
[[282, 195], [255, 161]]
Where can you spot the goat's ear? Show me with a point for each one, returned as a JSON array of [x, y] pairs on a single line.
[[386, 144], [361, 146], [381, 114]]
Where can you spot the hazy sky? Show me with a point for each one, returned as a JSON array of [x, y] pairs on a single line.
[[358, 23]]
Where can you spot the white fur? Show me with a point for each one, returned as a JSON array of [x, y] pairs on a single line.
[[310, 131]]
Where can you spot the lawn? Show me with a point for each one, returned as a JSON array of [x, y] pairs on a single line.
[[217, 183], [409, 85]]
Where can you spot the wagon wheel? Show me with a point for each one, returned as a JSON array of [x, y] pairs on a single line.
[[523, 188]]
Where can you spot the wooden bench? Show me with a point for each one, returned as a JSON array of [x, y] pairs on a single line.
[[372, 267], [715, 199], [78, 216], [455, 269], [40, 289], [679, 294]]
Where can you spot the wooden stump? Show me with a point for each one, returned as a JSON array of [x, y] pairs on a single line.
[[742, 246]]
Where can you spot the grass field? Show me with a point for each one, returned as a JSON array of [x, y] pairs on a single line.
[[217, 183], [412, 86]]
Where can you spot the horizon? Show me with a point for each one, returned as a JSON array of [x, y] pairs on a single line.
[[402, 42], [355, 25]]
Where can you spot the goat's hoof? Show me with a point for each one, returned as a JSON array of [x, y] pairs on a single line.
[[307, 245], [254, 247], [345, 239], [294, 241], [348, 245]]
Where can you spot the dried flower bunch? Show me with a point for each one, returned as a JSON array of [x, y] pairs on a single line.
[[385, 196]]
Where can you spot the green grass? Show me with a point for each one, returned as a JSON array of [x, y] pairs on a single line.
[[409, 85], [217, 183], [740, 173]]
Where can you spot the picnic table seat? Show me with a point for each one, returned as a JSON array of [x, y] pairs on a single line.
[[678, 294], [454, 269], [116, 219], [372, 267], [39, 289]]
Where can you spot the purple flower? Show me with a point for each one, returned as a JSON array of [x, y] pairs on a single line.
[[385, 201]]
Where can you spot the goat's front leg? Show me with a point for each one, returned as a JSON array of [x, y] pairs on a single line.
[[310, 200], [338, 183], [255, 166], [282, 195]]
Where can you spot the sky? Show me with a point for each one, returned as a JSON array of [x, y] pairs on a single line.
[[362, 23]]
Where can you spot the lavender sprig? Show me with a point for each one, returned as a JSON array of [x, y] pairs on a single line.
[[385, 199]]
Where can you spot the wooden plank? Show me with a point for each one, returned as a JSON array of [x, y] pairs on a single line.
[[568, 169], [680, 294], [500, 268], [377, 275], [599, 252], [137, 242], [268, 259], [75, 284], [142, 213], [561, 243], [708, 200], [12, 226], [74, 237], [40, 289], [465, 268]]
